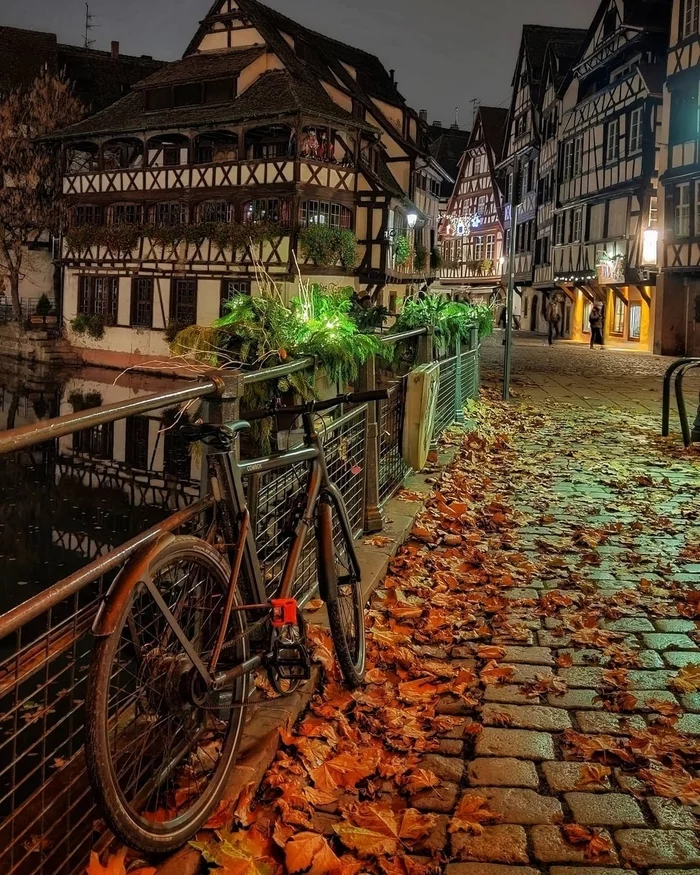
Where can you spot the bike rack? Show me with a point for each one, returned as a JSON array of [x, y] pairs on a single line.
[[682, 366]]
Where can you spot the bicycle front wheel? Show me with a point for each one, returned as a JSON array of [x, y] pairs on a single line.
[[159, 748], [346, 614]]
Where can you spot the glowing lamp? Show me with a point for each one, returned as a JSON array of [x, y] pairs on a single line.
[[412, 218]]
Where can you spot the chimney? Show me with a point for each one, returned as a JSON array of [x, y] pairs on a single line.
[[423, 115], [437, 124], [146, 57], [115, 50], [455, 126], [392, 76]]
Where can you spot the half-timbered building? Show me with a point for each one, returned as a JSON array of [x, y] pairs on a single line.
[[605, 225], [520, 164], [471, 234], [560, 54], [678, 295], [264, 128]]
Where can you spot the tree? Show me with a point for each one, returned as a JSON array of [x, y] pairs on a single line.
[[31, 201]]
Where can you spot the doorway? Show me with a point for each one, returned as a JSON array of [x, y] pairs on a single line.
[[533, 314]]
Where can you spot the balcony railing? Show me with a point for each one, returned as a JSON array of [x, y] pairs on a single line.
[[227, 174], [471, 270]]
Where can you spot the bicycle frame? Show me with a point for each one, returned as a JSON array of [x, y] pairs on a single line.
[[319, 489]]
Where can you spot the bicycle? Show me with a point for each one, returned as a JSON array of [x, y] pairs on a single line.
[[187, 622]]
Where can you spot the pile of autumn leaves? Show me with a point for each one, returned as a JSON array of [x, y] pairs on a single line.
[[338, 798]]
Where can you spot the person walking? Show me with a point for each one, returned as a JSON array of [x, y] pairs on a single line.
[[554, 321], [596, 322]]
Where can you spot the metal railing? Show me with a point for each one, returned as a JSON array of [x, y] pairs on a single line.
[[48, 822], [680, 368]]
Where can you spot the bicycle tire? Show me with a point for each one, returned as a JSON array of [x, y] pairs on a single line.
[[346, 614], [148, 834]]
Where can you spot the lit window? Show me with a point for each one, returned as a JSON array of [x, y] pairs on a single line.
[[490, 246], [635, 321], [618, 316], [322, 213], [215, 211], [586, 325], [577, 226], [478, 248]]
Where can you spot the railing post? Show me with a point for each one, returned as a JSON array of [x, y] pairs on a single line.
[[459, 406], [227, 406], [373, 521], [426, 347]]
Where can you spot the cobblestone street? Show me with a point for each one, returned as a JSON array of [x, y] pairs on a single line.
[[572, 373], [532, 704]]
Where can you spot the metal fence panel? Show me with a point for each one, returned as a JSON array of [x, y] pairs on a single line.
[[392, 468], [445, 412]]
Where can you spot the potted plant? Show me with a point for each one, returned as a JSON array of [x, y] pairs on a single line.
[[41, 311], [402, 250]]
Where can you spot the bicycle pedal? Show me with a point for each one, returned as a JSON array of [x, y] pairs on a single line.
[[291, 660]]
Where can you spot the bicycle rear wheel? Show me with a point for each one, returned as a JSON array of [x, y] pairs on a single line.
[[346, 614], [159, 748]]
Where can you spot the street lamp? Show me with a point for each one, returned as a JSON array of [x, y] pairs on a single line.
[[412, 218]]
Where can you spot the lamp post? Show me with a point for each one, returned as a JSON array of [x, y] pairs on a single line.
[[508, 355]]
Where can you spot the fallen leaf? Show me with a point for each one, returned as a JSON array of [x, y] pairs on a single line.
[[471, 813], [309, 852]]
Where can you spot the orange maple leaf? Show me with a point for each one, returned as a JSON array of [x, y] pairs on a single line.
[[592, 775], [471, 813], [366, 842], [115, 864], [420, 779], [344, 770], [309, 852], [594, 844]]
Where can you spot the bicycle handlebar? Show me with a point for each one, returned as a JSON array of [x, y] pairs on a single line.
[[317, 406]]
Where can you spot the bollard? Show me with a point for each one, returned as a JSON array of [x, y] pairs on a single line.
[[373, 520]]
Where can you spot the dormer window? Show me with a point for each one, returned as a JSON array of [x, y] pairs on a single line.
[[219, 91], [189, 94], [159, 98]]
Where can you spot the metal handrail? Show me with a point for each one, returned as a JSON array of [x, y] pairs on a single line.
[[680, 401], [666, 402], [402, 335]]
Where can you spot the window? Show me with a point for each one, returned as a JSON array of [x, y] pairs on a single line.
[[596, 229], [612, 141], [171, 156], [269, 209], [586, 325], [490, 246], [142, 302], [177, 462], [521, 125], [219, 91], [183, 301], [232, 288], [98, 296], [189, 94], [618, 217], [559, 229], [204, 152], [567, 167], [682, 226], [635, 316], [618, 316], [170, 214], [127, 214], [136, 445], [97, 441], [159, 98], [689, 23], [577, 226], [478, 248], [478, 165], [322, 213], [685, 115], [635, 130], [88, 214], [215, 211], [577, 166]]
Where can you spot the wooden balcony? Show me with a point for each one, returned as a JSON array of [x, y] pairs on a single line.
[[480, 272], [230, 174]]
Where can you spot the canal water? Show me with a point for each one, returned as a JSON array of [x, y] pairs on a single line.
[[67, 502]]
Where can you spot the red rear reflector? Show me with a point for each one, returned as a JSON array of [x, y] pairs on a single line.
[[284, 612]]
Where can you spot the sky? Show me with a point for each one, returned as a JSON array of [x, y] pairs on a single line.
[[446, 53]]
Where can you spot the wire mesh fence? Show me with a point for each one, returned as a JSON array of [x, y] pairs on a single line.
[[392, 468], [445, 410]]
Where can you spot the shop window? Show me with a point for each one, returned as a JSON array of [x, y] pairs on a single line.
[[635, 317], [183, 301], [618, 325], [142, 302], [98, 296], [586, 325]]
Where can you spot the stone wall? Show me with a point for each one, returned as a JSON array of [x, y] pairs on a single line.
[[35, 346]]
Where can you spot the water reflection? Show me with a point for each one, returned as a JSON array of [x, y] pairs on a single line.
[[72, 499]]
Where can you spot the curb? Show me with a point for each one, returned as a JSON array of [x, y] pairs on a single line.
[[261, 737]]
